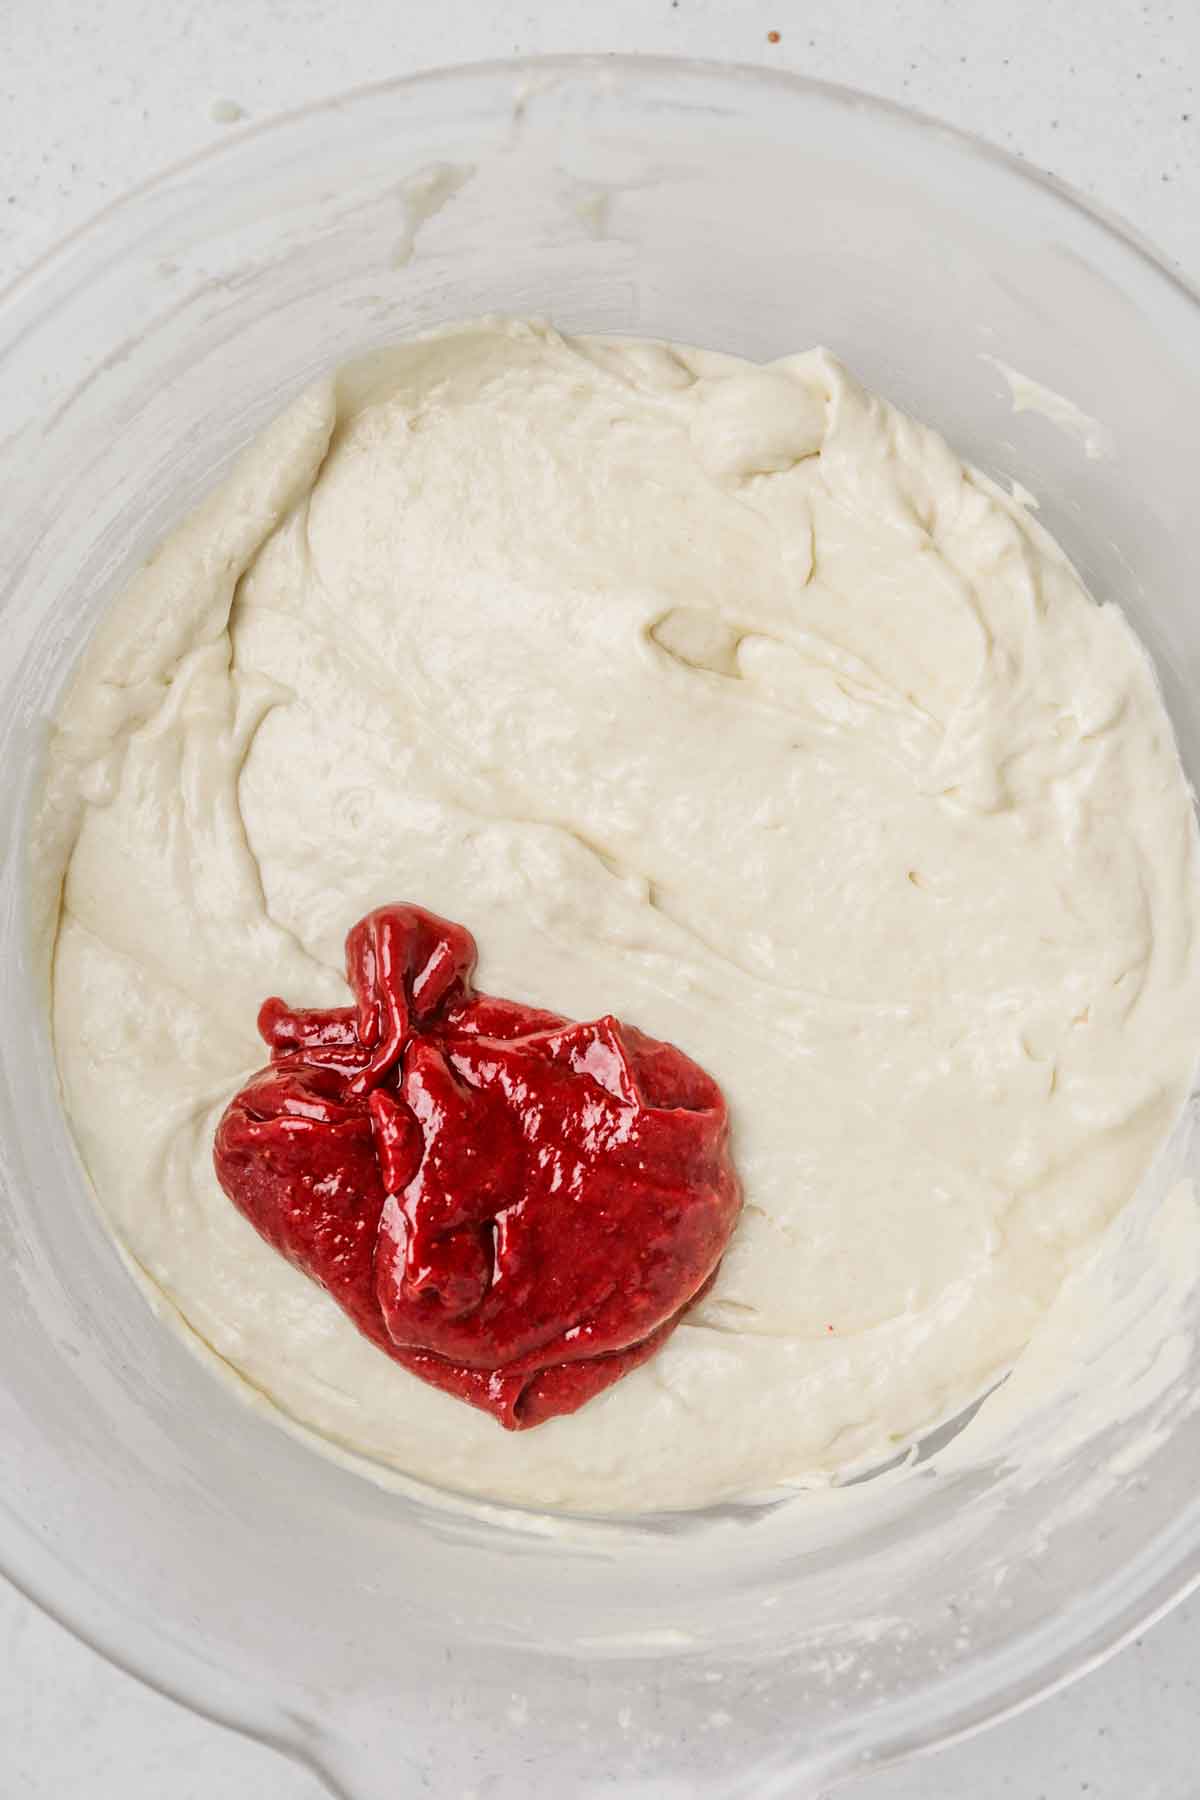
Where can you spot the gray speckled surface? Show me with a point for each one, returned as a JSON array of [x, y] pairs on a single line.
[[96, 99]]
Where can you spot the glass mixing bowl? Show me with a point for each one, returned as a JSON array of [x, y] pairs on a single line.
[[395, 1643]]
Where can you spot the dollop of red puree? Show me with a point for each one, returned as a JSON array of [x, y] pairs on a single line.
[[517, 1208]]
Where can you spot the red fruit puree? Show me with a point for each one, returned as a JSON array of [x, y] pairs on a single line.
[[517, 1208]]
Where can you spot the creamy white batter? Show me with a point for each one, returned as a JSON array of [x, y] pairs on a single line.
[[720, 697]]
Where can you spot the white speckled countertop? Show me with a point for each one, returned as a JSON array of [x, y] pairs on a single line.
[[96, 99]]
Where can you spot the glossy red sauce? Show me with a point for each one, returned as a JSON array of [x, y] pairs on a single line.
[[517, 1208]]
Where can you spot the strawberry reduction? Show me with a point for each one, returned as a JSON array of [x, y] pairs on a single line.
[[517, 1208]]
